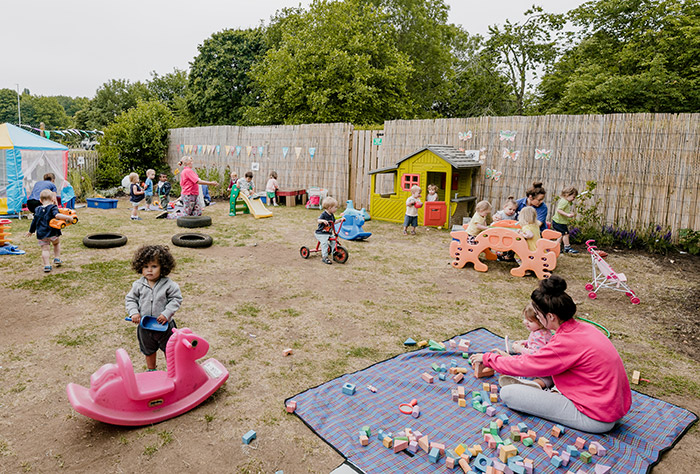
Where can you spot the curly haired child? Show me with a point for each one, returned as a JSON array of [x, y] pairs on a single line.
[[154, 294]]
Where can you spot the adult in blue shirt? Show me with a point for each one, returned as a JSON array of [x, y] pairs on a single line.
[[534, 197], [33, 200]]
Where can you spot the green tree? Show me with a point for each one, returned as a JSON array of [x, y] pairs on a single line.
[[629, 56], [219, 86], [340, 64], [524, 49], [8, 106], [136, 141], [171, 90], [37, 109], [111, 99]]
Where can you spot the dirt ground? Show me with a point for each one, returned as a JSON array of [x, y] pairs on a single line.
[[251, 296]]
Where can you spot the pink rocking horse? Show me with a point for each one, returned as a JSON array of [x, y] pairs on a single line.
[[119, 396]]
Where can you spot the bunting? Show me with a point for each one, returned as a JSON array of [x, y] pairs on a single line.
[[248, 149], [260, 151], [238, 150], [297, 151], [312, 152], [285, 150]]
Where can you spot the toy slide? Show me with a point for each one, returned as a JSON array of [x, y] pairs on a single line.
[[256, 207]]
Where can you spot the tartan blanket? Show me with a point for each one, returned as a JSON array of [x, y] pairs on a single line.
[[651, 427]]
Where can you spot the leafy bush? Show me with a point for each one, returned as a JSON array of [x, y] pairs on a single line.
[[82, 184], [588, 221], [689, 241], [657, 239]]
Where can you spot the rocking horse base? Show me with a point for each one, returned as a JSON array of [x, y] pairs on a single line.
[[82, 401]]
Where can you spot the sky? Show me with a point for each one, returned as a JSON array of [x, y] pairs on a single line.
[[72, 47]]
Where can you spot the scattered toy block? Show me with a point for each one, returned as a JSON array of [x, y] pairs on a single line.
[[478, 449], [434, 455], [602, 469], [418, 434], [462, 402], [507, 441], [542, 441], [291, 406], [549, 449], [427, 377], [494, 398], [371, 389], [580, 443], [450, 462], [439, 446], [556, 432], [367, 430], [602, 451], [486, 387], [464, 464], [592, 448], [249, 436], [507, 451], [463, 345], [585, 457], [380, 434], [452, 370], [499, 423], [453, 344], [522, 427], [436, 346], [458, 378], [435, 367], [287, 352], [518, 469], [400, 445], [453, 363], [364, 440], [442, 376], [422, 343], [532, 435], [349, 389], [556, 461], [416, 412], [387, 442], [635, 377], [443, 368], [409, 342], [573, 451], [503, 418], [481, 462], [480, 370], [461, 370], [493, 427], [498, 465], [565, 458], [413, 446], [460, 392], [460, 449], [424, 443], [515, 436], [490, 411], [528, 441]]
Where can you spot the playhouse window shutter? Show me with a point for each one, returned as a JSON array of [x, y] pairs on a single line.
[[408, 180]]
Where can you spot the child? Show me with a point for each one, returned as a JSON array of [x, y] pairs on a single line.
[[529, 227], [135, 196], [272, 187], [164, 189], [563, 215], [508, 211], [148, 188], [325, 222], [45, 234], [412, 205], [539, 336], [432, 193], [246, 184], [154, 294], [232, 183], [478, 222]]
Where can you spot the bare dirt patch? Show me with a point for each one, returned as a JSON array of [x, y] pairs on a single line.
[[251, 295]]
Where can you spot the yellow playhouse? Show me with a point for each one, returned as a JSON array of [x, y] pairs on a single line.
[[450, 169]]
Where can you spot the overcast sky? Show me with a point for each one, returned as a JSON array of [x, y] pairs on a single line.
[[72, 47]]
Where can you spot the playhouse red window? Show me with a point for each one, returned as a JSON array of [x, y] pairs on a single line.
[[409, 180]]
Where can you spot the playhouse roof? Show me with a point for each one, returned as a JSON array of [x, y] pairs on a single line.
[[15, 137], [455, 157]]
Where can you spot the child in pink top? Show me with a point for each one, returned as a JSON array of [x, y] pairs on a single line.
[[539, 336], [594, 393]]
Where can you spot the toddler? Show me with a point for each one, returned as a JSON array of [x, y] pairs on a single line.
[[246, 184], [153, 294], [148, 188], [272, 187], [478, 222], [45, 234], [135, 196], [326, 221], [529, 227], [539, 336], [432, 193], [412, 205], [563, 215], [164, 189], [508, 212], [232, 182]]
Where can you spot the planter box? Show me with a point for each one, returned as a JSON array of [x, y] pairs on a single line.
[[102, 203]]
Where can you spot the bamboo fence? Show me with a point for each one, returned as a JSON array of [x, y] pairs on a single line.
[[88, 163]]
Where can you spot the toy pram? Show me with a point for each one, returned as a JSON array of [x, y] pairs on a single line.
[[316, 196], [605, 277]]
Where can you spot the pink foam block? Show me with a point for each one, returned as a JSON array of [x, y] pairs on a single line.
[[400, 445], [416, 412], [427, 377], [291, 406], [580, 443], [439, 446], [601, 469], [458, 378], [490, 411], [413, 446]]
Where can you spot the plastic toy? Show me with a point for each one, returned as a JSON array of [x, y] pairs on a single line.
[[316, 196], [340, 254], [350, 208], [501, 237], [119, 396], [60, 223], [250, 206], [605, 277], [4, 231], [352, 228], [149, 322]]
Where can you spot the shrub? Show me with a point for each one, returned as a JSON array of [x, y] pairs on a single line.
[[689, 241]]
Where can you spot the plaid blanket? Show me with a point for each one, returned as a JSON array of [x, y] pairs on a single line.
[[651, 427]]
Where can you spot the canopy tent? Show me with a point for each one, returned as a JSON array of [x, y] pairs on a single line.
[[24, 159]]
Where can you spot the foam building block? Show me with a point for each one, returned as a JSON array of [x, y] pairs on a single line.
[[573, 451], [364, 440], [601, 469], [424, 443], [413, 446], [565, 458], [556, 461], [585, 457], [504, 418], [400, 445], [249, 436], [439, 446], [349, 389], [481, 462], [490, 411], [434, 455], [427, 377], [580, 443], [522, 427], [442, 376], [409, 342], [291, 406]]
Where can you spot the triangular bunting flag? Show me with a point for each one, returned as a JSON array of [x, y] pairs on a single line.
[[227, 150], [312, 152], [297, 151], [218, 149], [199, 149], [238, 151], [182, 149], [260, 151], [285, 150], [248, 150], [47, 133]]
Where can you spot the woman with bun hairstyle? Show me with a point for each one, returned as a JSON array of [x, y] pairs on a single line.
[[594, 393], [534, 197]]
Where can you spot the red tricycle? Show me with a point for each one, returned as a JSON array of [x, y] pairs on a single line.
[[340, 254]]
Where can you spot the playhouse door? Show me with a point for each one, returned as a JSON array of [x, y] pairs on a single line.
[[435, 213]]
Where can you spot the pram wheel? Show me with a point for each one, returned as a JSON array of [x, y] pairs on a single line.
[[634, 300], [340, 255], [589, 287], [592, 295], [304, 252]]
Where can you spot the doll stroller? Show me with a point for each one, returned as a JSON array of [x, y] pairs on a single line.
[[339, 253], [605, 277]]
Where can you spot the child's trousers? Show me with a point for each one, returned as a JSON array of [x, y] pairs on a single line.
[[325, 245]]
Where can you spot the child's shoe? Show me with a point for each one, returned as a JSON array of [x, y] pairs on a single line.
[[405, 233], [413, 232], [57, 262], [133, 218], [327, 261], [47, 268], [275, 204], [570, 250]]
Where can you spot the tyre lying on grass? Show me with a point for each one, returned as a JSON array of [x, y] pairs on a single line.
[[104, 240], [192, 240], [193, 221]]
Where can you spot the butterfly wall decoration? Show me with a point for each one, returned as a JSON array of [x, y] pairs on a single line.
[[493, 174], [464, 136], [510, 153], [507, 135], [543, 154]]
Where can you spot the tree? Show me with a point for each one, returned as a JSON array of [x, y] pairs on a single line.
[[111, 99], [171, 90], [525, 48], [219, 85], [8, 106], [340, 64], [630, 56], [136, 141], [37, 109]]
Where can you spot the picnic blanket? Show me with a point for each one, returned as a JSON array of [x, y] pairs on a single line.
[[651, 427]]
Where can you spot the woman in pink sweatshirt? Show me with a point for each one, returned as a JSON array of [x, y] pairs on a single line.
[[586, 368]]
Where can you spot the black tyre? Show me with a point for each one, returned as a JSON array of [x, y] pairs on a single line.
[[104, 240], [193, 221], [340, 255], [304, 252], [192, 240]]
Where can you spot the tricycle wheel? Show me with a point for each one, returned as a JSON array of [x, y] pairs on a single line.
[[340, 255], [304, 252], [592, 295], [634, 300], [589, 287]]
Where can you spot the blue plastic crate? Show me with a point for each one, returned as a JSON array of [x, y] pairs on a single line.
[[102, 203]]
